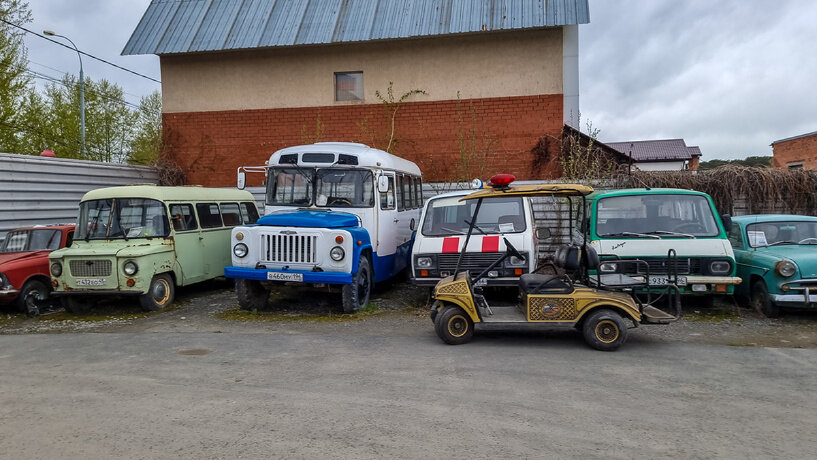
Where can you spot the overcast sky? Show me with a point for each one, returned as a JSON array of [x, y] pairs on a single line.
[[728, 76]]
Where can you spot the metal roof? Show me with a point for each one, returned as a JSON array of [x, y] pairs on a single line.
[[186, 26], [794, 137], [658, 150]]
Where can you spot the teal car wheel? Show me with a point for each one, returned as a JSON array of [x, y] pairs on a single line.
[[761, 300]]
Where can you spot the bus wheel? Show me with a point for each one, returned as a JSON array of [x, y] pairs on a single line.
[[356, 295], [251, 294], [454, 326], [77, 305], [160, 293], [605, 330]]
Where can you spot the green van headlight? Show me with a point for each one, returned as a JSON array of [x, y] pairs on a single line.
[[130, 268], [56, 269]]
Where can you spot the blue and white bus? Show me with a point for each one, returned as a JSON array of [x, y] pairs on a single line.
[[335, 213]]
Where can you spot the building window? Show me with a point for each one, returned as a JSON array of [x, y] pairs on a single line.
[[348, 86], [795, 165]]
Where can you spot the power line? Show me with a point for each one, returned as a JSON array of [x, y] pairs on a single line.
[[80, 51], [64, 72]]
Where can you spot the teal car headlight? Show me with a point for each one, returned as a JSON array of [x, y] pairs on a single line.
[[785, 268]]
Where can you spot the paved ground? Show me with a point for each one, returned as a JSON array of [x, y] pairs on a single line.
[[187, 383]]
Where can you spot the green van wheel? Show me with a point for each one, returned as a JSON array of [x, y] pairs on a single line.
[[160, 293]]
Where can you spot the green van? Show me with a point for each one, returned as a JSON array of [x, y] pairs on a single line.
[[144, 240]]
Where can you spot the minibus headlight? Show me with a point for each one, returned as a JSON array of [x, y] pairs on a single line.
[[56, 269], [516, 261], [608, 267], [424, 262], [337, 253], [240, 250], [130, 268], [785, 268], [720, 267]]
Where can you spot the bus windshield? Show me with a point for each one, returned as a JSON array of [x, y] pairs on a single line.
[[656, 216], [324, 187], [125, 218]]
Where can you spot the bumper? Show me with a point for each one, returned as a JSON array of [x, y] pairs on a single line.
[[309, 276], [795, 300], [512, 282], [109, 292], [7, 295], [693, 279]]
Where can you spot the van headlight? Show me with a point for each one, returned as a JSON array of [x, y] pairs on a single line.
[[785, 268], [516, 261], [56, 269], [240, 250], [130, 268], [720, 267], [423, 262], [337, 253], [608, 267]]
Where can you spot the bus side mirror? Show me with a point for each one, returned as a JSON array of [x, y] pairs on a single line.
[[383, 184], [242, 180], [727, 222], [412, 225], [543, 233]]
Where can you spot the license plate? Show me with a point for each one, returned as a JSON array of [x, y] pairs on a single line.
[[481, 282], [278, 276], [90, 281], [663, 281]]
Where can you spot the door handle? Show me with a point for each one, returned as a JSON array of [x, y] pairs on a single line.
[[397, 220]]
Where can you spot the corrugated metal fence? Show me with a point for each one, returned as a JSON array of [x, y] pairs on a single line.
[[43, 190]]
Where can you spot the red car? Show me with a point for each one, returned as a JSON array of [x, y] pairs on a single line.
[[24, 278]]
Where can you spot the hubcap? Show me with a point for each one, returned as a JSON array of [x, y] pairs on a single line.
[[457, 326], [160, 292], [607, 331]]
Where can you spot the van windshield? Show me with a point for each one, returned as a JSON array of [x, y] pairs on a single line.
[[450, 216], [323, 187], [656, 216], [124, 218]]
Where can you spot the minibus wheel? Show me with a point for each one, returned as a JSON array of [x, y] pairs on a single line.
[[454, 326], [356, 295], [605, 330], [160, 293], [251, 294]]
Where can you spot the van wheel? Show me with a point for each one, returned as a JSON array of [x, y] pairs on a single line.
[[251, 294], [454, 326], [77, 305], [605, 330], [160, 293], [761, 300], [32, 297], [356, 295]]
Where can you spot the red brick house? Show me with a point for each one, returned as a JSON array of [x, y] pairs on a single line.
[[798, 152], [241, 79]]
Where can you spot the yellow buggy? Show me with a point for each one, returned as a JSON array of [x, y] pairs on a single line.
[[599, 305]]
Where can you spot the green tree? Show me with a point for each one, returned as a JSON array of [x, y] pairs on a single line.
[[147, 141], [14, 81]]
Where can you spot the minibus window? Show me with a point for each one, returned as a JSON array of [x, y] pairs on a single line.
[[183, 217], [230, 214], [249, 215], [209, 215]]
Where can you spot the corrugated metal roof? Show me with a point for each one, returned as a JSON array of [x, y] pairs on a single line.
[[185, 26], [658, 150], [794, 137]]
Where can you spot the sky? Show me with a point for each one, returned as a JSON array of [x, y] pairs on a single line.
[[730, 76]]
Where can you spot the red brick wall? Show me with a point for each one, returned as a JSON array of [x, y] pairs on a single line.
[[497, 135], [795, 150]]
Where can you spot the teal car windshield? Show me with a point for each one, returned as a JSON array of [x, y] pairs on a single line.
[[762, 234], [124, 218], [330, 187], [656, 216]]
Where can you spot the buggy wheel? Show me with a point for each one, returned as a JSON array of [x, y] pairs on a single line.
[[761, 300], [454, 326], [251, 294], [605, 330]]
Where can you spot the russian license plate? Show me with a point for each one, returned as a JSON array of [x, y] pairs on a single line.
[[278, 276], [90, 281], [663, 281]]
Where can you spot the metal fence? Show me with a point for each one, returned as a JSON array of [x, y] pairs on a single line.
[[44, 190]]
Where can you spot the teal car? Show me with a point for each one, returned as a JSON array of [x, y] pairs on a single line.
[[776, 257]]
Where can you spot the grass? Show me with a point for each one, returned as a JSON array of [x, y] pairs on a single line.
[[369, 311], [711, 316], [108, 312]]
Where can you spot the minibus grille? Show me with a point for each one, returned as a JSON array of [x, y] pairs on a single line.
[[470, 261], [661, 265], [291, 249], [90, 268]]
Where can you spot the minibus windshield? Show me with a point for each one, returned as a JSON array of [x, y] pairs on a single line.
[[124, 218], [324, 187], [655, 216], [450, 216]]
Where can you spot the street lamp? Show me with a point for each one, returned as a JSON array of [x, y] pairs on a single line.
[[51, 33]]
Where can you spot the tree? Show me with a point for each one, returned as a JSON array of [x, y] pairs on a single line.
[[147, 141], [14, 81], [753, 161]]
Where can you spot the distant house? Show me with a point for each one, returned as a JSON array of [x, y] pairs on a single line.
[[798, 152], [660, 155], [241, 79]]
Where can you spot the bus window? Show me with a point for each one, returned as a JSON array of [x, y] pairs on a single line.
[[407, 194], [209, 215], [249, 215], [183, 217], [230, 214], [400, 203], [387, 199], [418, 192]]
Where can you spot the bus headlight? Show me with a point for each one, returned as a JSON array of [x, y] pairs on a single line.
[[423, 262], [56, 269], [785, 268], [130, 268], [240, 250], [720, 267], [337, 253]]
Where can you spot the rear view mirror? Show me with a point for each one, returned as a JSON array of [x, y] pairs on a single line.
[[412, 225], [242, 180], [382, 184], [727, 222], [543, 233]]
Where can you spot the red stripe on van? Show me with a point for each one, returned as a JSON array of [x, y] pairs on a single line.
[[451, 244], [490, 244]]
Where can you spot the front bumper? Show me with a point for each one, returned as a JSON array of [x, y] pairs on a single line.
[[89, 292], [429, 281], [7, 295], [260, 274]]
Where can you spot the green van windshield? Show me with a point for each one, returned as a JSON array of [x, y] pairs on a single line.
[[655, 214], [124, 218]]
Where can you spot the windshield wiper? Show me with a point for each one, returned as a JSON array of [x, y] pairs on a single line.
[[475, 226], [637, 235], [91, 225], [667, 232], [781, 242]]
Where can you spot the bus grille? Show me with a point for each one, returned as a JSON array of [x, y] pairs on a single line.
[[90, 268], [470, 261], [290, 249]]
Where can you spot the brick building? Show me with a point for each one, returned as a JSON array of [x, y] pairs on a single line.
[[241, 79], [798, 152]]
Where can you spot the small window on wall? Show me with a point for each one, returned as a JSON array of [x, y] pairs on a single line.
[[348, 86], [795, 165]]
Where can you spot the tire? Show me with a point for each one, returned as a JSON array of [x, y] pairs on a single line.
[[160, 293], [32, 297], [605, 330], [761, 300], [356, 295], [454, 326], [77, 305], [251, 294]]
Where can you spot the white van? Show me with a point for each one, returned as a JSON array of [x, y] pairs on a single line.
[[441, 234]]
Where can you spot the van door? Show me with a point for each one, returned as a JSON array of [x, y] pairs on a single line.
[[187, 239]]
